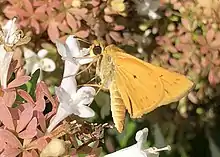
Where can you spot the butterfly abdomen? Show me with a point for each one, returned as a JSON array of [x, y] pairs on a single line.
[[117, 107]]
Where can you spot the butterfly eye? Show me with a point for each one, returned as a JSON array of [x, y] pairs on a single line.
[[97, 50]]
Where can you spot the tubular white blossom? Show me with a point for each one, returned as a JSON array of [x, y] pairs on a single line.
[[5, 60], [148, 8], [72, 101], [138, 149], [38, 61]]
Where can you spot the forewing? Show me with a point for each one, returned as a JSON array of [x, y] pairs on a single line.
[[140, 89], [175, 85]]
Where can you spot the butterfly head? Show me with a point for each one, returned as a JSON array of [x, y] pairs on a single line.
[[97, 48]]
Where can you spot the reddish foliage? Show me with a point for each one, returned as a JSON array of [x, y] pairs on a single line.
[[23, 127]]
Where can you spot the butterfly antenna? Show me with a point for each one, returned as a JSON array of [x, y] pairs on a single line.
[[90, 64], [83, 40]]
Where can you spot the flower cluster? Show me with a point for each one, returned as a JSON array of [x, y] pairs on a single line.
[[191, 46], [62, 18]]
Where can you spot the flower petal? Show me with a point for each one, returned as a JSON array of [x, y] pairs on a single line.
[[28, 53], [84, 95], [4, 65], [138, 149], [73, 45], [48, 65], [10, 32], [66, 101], [141, 137], [85, 60], [61, 48], [30, 59], [69, 84], [60, 115], [85, 111], [42, 53]]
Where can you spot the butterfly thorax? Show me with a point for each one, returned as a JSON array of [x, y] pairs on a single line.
[[105, 70]]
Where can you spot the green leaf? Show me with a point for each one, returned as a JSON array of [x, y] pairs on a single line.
[[130, 128], [31, 85]]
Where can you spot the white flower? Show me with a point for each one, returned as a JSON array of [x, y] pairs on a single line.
[[38, 61], [7, 37], [138, 149], [5, 60], [11, 36], [9, 33], [72, 101], [148, 7]]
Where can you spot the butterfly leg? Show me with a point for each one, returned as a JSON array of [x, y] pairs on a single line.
[[101, 87], [90, 64]]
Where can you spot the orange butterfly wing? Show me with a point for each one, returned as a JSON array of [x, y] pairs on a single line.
[[144, 87], [140, 88]]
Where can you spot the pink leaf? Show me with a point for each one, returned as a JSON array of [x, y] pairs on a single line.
[[215, 44], [40, 104], [60, 16], [201, 40], [35, 25], [34, 153], [9, 138], [43, 87], [40, 133], [210, 35], [116, 36], [64, 27], [21, 13], [15, 113], [28, 6], [19, 81], [212, 78], [25, 117], [5, 116], [82, 33], [39, 143], [24, 23], [42, 121], [79, 13], [41, 10], [71, 21], [186, 23], [25, 96], [9, 11], [9, 97], [171, 49], [53, 31], [30, 131], [26, 154], [118, 27], [10, 152], [95, 2], [108, 18]]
